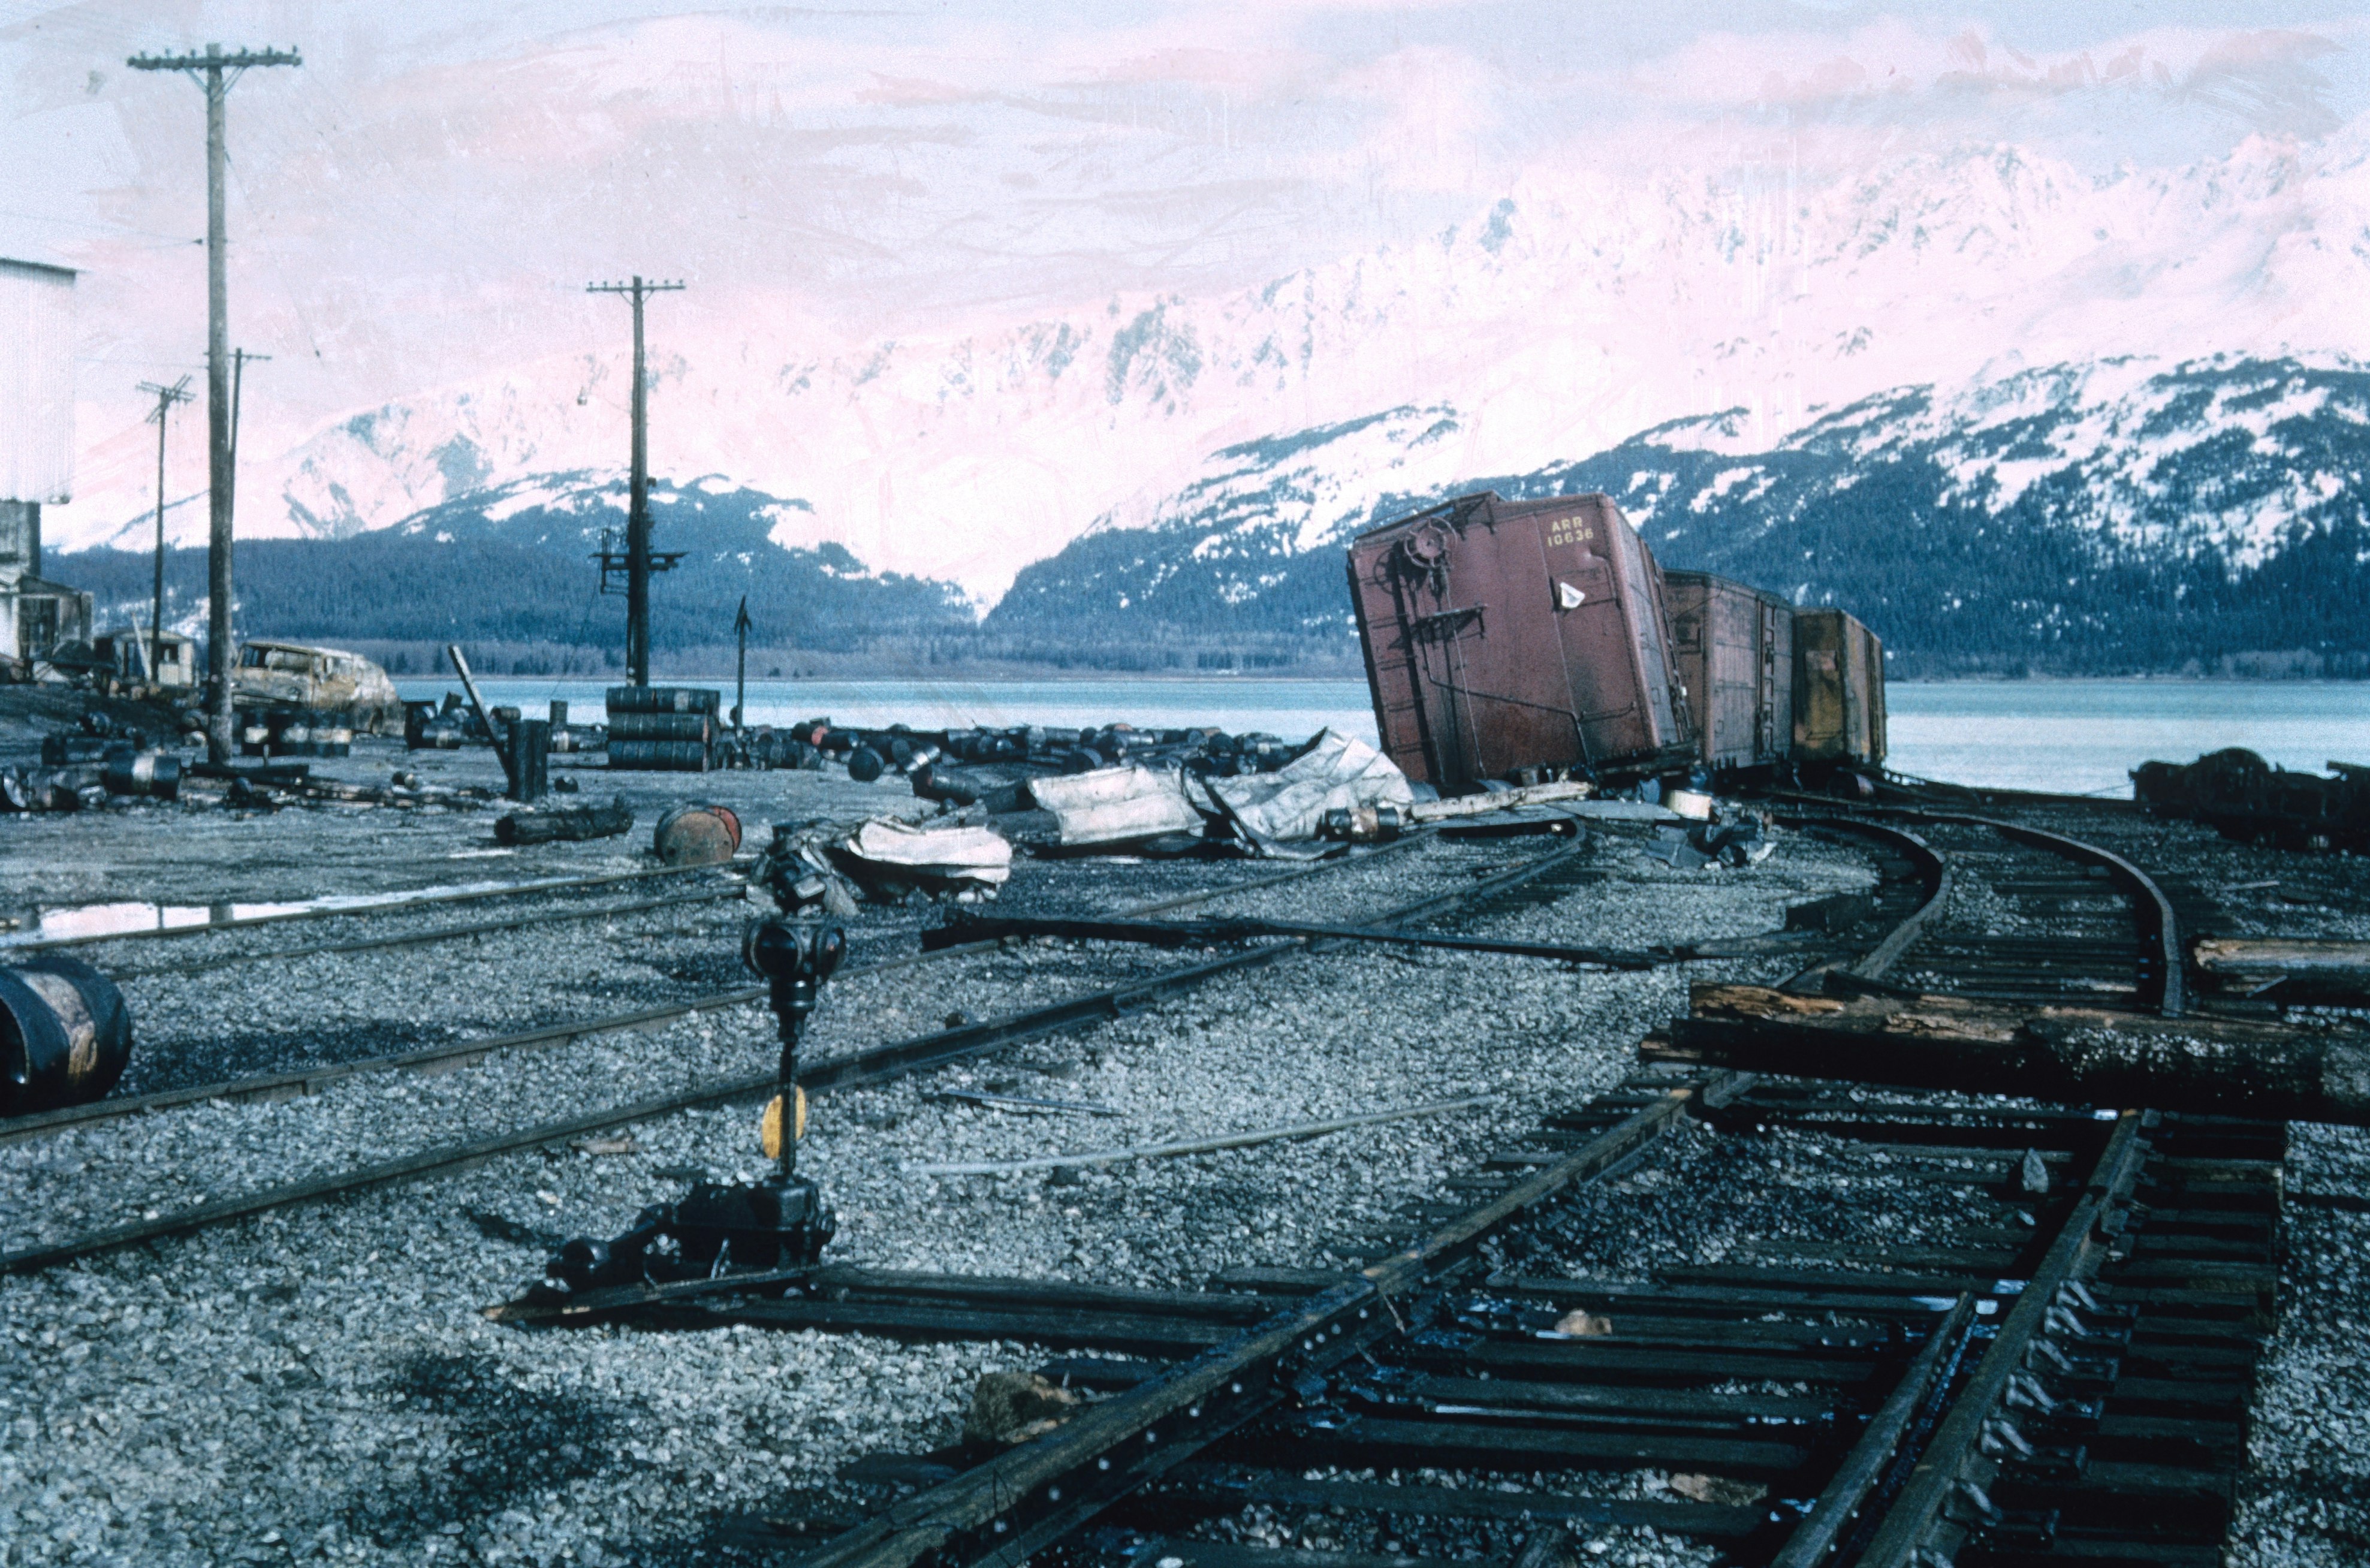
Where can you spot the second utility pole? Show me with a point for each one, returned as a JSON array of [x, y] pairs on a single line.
[[208, 70], [638, 511], [165, 398]]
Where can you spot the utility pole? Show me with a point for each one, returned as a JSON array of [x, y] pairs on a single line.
[[165, 398], [216, 72], [239, 358], [638, 511]]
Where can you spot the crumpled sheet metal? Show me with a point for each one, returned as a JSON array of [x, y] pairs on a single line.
[[1288, 806], [931, 856], [1116, 805]]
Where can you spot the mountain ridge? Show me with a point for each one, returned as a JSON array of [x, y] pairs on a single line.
[[1559, 318], [2122, 514]]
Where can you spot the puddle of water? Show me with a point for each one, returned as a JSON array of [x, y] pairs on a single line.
[[84, 921]]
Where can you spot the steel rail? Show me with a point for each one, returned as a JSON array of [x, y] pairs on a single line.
[[2162, 987], [452, 1055], [394, 903], [1034, 1495], [434, 934], [1208, 933], [1838, 1503], [998, 1514], [868, 1066], [1954, 1461], [2161, 975], [1933, 867]]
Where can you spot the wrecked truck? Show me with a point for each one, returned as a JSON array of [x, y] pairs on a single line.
[[294, 676]]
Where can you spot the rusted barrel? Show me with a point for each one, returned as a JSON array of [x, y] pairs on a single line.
[[64, 1034], [697, 836]]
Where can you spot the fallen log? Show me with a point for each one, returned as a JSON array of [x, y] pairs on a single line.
[[573, 824], [2085, 1055], [2285, 969]]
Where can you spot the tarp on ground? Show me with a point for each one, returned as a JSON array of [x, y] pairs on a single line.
[[1116, 805], [1288, 805]]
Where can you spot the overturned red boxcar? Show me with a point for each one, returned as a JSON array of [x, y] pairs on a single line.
[[1503, 635]]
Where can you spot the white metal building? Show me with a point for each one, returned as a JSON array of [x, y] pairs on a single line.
[[37, 345]]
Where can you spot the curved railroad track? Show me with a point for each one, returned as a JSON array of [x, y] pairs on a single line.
[[2054, 1362]]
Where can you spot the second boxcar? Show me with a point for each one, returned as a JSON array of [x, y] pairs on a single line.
[[1838, 690], [1503, 635], [1733, 649]]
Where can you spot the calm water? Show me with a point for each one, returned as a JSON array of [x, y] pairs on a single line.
[[2078, 736]]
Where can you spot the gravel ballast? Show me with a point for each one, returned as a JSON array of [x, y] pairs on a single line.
[[319, 1385], [322, 1376]]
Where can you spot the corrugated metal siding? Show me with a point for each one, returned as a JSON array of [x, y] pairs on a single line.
[[37, 342]]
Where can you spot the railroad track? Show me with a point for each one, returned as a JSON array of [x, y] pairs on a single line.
[[392, 903], [1937, 1329], [448, 1056], [865, 1066]]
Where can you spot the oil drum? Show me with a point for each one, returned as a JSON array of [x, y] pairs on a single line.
[[64, 1034], [154, 774], [697, 836]]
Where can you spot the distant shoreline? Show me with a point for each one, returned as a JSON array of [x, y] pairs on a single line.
[[1001, 677]]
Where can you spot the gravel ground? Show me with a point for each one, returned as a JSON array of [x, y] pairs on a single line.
[[177, 1157], [319, 1385], [2307, 1500], [1493, 1540], [1709, 1198], [349, 1404]]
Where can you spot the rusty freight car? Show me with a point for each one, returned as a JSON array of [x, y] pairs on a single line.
[[1733, 650], [1503, 636], [1838, 691]]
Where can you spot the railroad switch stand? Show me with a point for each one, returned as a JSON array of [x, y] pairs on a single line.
[[721, 1228]]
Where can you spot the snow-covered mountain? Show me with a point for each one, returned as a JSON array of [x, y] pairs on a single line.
[[2114, 515], [1557, 320]]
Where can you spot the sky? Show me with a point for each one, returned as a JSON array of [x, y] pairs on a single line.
[[422, 202]]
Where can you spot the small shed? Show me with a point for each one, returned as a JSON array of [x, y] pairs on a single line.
[[167, 662]]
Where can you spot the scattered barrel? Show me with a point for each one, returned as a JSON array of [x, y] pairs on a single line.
[[664, 699], [571, 823], [697, 836], [659, 757], [663, 726], [865, 764], [152, 773], [64, 1034]]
